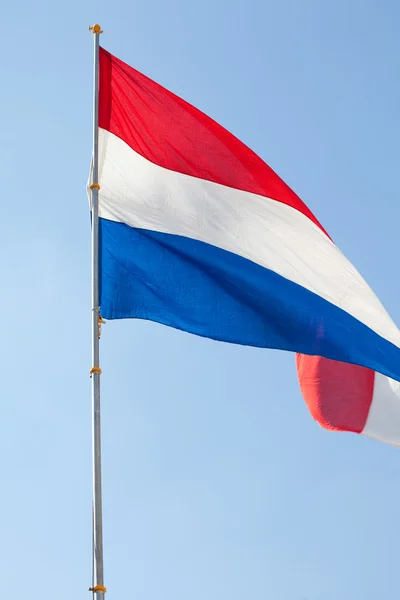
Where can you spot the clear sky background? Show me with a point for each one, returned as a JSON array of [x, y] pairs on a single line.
[[217, 482]]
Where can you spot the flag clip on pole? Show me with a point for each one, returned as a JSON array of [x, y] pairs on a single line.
[[97, 588]]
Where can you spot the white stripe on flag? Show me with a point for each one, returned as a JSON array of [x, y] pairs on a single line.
[[141, 194]]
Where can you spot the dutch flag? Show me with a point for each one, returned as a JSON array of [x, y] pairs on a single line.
[[198, 233]]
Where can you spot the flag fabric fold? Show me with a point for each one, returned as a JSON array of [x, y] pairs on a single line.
[[346, 397], [198, 233]]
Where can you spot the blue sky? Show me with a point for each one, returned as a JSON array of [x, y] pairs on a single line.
[[217, 482]]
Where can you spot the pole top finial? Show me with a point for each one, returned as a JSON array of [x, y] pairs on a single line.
[[96, 29]]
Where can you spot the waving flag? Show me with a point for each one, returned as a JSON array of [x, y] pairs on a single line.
[[198, 233]]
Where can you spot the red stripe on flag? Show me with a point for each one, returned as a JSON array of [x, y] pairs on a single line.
[[338, 395], [173, 134]]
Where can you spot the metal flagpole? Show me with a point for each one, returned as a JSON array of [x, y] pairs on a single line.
[[98, 588]]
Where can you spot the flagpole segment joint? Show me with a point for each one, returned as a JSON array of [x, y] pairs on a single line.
[[96, 29], [98, 588], [95, 186], [95, 370]]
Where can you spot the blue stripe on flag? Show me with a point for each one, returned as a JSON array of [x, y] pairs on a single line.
[[201, 289]]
